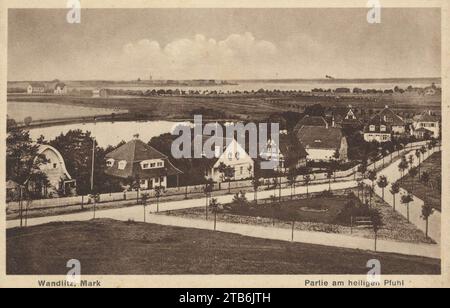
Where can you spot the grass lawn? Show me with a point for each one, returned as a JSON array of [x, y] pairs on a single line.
[[315, 209], [427, 192], [317, 214], [107, 247]]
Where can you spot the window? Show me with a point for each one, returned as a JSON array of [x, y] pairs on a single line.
[[383, 128], [145, 166], [238, 155], [242, 170], [122, 164], [110, 162], [230, 156], [372, 128], [152, 165], [55, 166], [160, 164]]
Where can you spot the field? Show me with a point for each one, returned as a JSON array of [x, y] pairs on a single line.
[[427, 192], [236, 107], [107, 247]]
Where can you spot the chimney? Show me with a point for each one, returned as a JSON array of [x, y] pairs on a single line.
[[136, 137]]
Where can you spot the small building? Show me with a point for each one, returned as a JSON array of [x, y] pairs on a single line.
[[422, 133], [54, 168], [13, 191], [290, 154], [426, 121], [136, 160], [230, 153], [60, 88], [383, 126], [323, 143], [36, 87]]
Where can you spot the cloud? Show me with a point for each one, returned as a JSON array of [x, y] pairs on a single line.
[[200, 57]]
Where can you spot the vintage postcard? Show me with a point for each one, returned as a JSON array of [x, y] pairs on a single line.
[[224, 144]]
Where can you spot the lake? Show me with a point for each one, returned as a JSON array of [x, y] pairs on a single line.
[[45, 111], [110, 133]]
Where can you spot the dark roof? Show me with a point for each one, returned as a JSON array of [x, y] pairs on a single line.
[[377, 121], [311, 121], [427, 117], [320, 137], [60, 84], [391, 117], [134, 152]]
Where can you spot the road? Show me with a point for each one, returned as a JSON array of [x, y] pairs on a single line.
[[136, 213]]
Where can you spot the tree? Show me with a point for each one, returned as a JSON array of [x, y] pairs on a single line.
[[207, 190], [406, 200], [377, 222], [22, 158], [27, 121], [256, 183], [413, 173], [144, 199], [214, 205], [275, 206], [158, 193], [425, 177], [76, 148], [395, 189], [383, 183], [411, 160], [363, 168], [372, 177], [402, 167], [418, 155], [361, 189], [329, 177], [292, 179], [307, 180], [427, 211], [228, 174], [95, 197]]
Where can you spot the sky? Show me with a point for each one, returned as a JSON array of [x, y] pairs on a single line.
[[126, 44]]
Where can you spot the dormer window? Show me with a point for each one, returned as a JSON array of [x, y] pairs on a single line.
[[383, 128], [122, 164], [317, 141], [151, 164], [110, 163], [372, 128]]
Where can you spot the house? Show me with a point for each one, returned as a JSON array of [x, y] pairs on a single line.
[[422, 133], [426, 121], [345, 118], [230, 153], [36, 87], [54, 168], [323, 143], [60, 88], [138, 161], [290, 153], [382, 126]]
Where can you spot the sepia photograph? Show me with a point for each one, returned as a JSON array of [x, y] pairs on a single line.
[[224, 141]]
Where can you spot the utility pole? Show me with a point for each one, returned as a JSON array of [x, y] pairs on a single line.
[[93, 164]]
